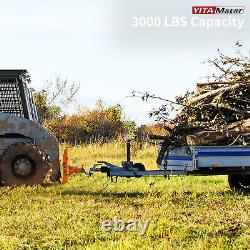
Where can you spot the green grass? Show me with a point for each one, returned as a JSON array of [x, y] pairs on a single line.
[[184, 212]]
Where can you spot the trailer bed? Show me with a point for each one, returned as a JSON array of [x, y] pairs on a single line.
[[198, 158]]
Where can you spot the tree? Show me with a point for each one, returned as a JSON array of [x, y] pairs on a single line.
[[44, 110], [59, 92]]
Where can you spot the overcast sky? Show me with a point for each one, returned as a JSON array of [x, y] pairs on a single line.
[[93, 42]]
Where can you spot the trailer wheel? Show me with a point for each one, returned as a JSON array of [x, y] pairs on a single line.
[[239, 183], [22, 164], [139, 167]]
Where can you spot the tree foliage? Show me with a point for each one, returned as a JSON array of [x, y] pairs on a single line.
[[45, 111], [99, 124]]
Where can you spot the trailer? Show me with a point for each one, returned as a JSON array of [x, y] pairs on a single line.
[[233, 161]]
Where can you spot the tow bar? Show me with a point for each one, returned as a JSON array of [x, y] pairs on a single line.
[[127, 168]]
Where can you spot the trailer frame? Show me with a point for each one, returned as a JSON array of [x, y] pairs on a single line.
[[233, 161]]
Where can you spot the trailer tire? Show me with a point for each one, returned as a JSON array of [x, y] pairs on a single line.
[[22, 164], [138, 167], [239, 183]]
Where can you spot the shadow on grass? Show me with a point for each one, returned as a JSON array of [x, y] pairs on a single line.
[[136, 194], [105, 194], [145, 194], [205, 194], [202, 193], [50, 184]]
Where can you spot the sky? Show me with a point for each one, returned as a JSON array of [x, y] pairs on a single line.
[[94, 43]]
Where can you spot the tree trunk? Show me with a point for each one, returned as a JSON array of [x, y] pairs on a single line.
[[208, 137], [205, 138], [214, 92]]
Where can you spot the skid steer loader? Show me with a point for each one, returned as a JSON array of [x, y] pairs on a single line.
[[27, 150]]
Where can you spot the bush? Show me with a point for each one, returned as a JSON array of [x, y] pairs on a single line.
[[100, 124]]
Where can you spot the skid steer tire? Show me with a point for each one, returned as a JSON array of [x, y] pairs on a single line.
[[22, 164], [239, 183]]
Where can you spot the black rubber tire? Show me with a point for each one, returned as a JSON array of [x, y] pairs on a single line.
[[239, 183], [139, 166], [39, 166]]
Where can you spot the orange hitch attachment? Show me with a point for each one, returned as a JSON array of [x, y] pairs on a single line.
[[68, 170]]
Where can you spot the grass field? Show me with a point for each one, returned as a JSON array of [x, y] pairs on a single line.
[[184, 212]]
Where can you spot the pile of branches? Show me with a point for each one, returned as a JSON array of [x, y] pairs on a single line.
[[217, 113]]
